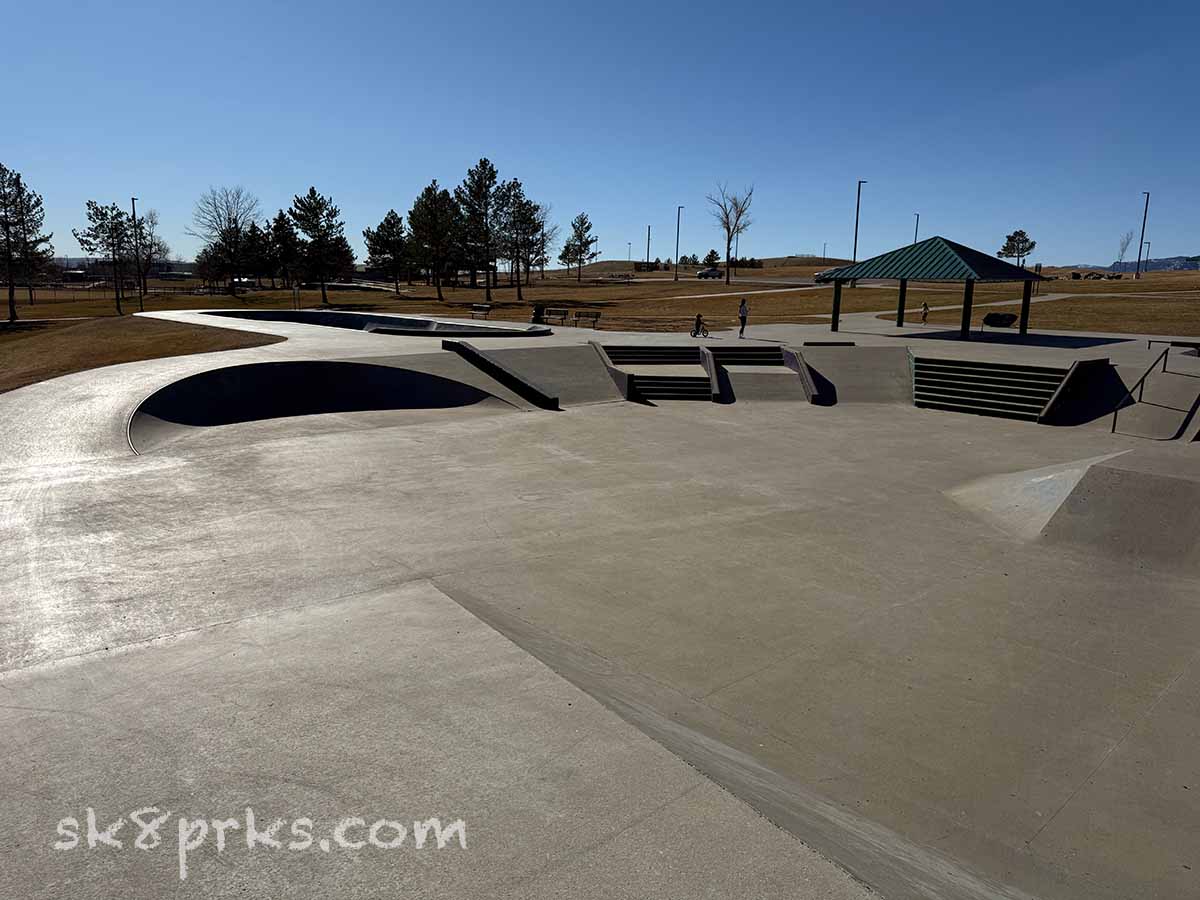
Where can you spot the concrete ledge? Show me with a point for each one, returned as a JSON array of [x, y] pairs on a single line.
[[621, 379], [795, 361]]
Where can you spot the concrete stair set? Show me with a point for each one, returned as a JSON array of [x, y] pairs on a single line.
[[988, 389], [684, 387]]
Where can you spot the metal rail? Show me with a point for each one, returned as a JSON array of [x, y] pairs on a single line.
[[1140, 385]]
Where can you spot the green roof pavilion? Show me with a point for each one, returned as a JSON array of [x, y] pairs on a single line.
[[933, 259]]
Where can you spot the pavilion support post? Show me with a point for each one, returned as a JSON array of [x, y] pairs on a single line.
[[968, 295], [837, 304], [1025, 307], [900, 303]]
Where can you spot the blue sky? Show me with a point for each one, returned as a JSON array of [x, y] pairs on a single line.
[[1048, 117]]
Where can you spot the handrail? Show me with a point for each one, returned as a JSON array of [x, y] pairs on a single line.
[[1140, 385]]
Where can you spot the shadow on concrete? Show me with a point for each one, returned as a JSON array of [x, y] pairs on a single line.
[[826, 390], [278, 390], [1060, 341], [1092, 398]]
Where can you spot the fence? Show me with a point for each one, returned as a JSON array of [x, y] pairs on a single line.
[[75, 294]]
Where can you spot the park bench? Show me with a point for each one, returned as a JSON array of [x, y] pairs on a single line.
[[555, 312], [480, 310], [585, 315], [1193, 346], [999, 320]]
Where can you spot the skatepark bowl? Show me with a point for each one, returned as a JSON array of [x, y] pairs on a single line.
[[405, 325], [277, 390]]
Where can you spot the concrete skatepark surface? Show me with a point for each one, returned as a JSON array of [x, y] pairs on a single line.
[[794, 599]]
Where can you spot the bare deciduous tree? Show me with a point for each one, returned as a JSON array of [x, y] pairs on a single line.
[[1123, 247], [732, 213], [153, 250], [221, 219]]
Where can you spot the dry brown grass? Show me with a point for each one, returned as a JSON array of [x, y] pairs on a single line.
[[35, 351], [1122, 314], [1149, 282]]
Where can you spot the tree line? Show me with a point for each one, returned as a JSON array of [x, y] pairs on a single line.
[[484, 220], [481, 222]]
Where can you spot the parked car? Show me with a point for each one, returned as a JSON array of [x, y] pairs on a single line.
[[712, 272]]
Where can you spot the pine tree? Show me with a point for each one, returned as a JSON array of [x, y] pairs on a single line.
[[577, 249], [476, 198], [435, 223], [257, 252], [285, 248], [108, 234], [387, 246], [518, 229], [1018, 246], [324, 250], [24, 248]]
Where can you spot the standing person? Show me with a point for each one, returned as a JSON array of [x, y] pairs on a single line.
[[743, 313], [924, 312]]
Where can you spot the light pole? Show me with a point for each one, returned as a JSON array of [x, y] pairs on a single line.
[[824, 251], [857, 205], [1137, 273], [736, 243], [678, 217], [1147, 255], [630, 243], [137, 258], [916, 227], [647, 247]]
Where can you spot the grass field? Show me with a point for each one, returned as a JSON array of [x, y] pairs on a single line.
[[35, 351], [1178, 315]]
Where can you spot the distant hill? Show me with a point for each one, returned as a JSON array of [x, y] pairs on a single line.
[[1168, 263]]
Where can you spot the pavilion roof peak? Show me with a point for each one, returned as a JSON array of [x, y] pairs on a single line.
[[933, 259]]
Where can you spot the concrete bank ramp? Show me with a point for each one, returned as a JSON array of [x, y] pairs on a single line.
[[1022, 503], [1142, 507], [859, 374], [764, 384], [576, 375], [279, 390]]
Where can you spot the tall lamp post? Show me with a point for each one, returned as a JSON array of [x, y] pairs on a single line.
[[916, 227], [137, 258], [857, 205], [1137, 273], [678, 216], [647, 246]]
